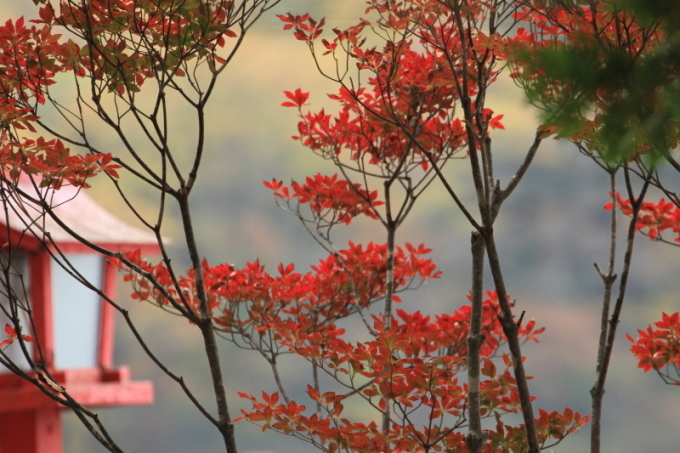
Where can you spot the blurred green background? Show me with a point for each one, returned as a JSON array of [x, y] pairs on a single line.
[[550, 232]]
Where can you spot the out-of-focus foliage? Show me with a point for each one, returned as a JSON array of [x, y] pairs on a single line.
[[608, 74]]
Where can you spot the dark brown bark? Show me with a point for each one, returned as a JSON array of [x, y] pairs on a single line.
[[475, 438], [510, 330], [388, 303], [225, 425]]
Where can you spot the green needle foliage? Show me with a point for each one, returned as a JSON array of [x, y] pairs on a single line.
[[611, 78]]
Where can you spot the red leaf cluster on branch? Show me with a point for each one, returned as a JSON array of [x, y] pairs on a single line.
[[345, 282], [122, 44], [151, 39], [658, 348], [413, 365], [30, 60], [12, 336], [653, 219], [335, 201]]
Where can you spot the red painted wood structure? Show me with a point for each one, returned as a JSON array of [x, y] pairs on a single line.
[[29, 420]]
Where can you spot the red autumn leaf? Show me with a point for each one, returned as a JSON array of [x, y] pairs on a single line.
[[298, 97], [495, 122]]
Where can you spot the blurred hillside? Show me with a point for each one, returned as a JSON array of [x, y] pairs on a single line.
[[550, 232]]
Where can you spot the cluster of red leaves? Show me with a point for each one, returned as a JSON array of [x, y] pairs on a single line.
[[413, 365], [336, 287], [491, 327], [12, 335], [335, 201], [305, 28], [30, 59], [552, 427], [130, 40], [411, 88], [654, 218], [658, 348], [416, 334], [126, 42], [52, 161], [141, 274], [364, 128]]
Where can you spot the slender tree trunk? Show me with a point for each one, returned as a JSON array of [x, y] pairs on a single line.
[[510, 330], [475, 438], [389, 282], [608, 328], [608, 280], [225, 426]]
